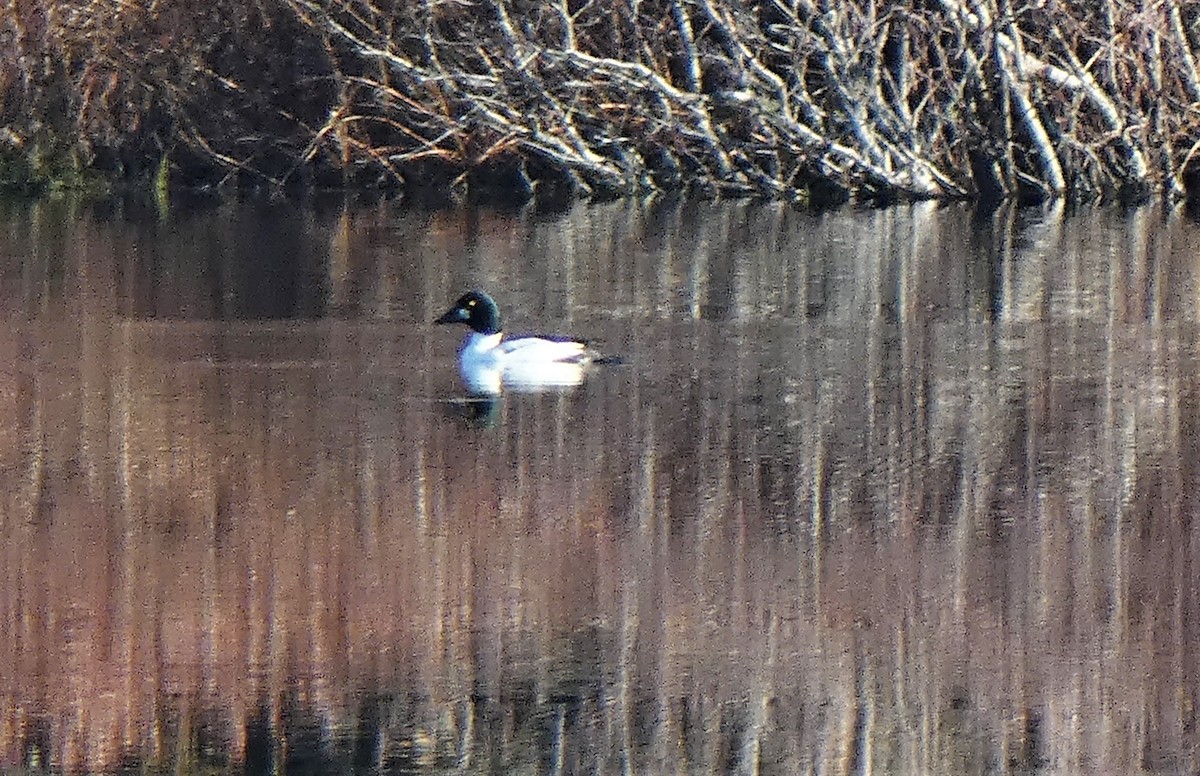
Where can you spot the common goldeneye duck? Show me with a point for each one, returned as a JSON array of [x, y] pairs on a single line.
[[487, 360]]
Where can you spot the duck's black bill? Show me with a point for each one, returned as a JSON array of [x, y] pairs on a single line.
[[457, 315]]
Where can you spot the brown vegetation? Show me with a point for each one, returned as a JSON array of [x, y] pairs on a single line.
[[779, 99]]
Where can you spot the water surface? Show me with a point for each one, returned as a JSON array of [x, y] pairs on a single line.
[[899, 491]]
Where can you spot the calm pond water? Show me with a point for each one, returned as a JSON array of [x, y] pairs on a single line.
[[904, 491]]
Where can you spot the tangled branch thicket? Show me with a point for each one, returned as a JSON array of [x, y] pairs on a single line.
[[930, 99]]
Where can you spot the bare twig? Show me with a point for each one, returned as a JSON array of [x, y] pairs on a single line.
[[772, 98]]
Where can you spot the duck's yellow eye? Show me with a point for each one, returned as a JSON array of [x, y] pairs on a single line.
[[471, 303]]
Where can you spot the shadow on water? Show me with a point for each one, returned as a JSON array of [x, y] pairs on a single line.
[[904, 491]]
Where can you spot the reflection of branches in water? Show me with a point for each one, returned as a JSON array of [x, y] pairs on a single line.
[[886, 500]]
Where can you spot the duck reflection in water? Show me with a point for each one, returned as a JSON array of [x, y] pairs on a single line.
[[489, 363]]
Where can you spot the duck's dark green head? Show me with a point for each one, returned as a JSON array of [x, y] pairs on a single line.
[[477, 310]]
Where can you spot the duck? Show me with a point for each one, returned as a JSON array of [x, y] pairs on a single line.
[[487, 361]]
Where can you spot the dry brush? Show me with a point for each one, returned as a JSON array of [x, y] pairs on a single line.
[[937, 98]]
